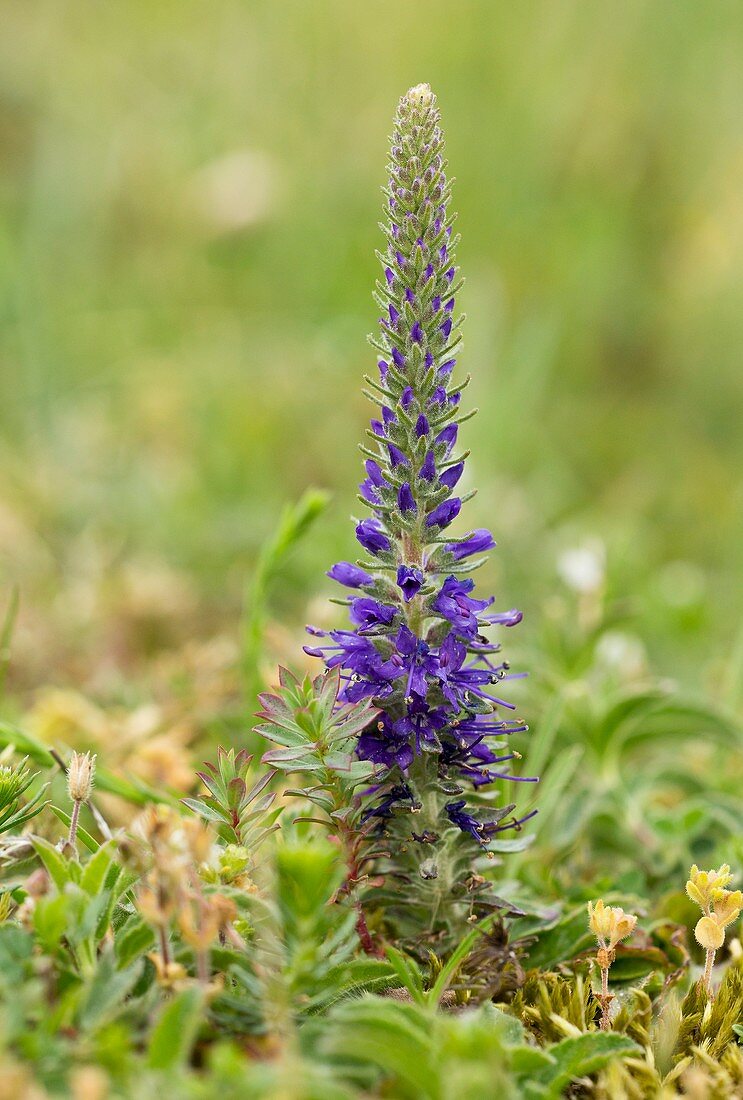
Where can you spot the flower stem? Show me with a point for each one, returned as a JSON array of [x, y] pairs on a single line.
[[164, 946], [707, 976], [362, 931], [202, 966], [605, 1000], [74, 819]]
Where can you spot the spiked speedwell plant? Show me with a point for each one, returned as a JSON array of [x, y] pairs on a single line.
[[418, 645]]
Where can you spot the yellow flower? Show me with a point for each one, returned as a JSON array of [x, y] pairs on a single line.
[[709, 934], [704, 887], [610, 924], [728, 907]]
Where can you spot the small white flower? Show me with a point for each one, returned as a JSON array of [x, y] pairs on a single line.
[[582, 568]]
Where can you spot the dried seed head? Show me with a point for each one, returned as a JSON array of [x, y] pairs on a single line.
[[80, 776], [610, 924]]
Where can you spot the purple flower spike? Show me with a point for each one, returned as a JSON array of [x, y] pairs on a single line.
[[352, 576], [417, 647], [477, 542], [405, 499], [372, 537], [445, 513], [410, 581]]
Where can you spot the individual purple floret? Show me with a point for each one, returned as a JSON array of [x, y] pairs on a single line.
[[421, 643]]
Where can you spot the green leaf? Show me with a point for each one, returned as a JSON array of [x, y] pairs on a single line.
[[26, 744], [175, 1032], [106, 990], [397, 1038], [510, 1029], [132, 942], [50, 922], [90, 842], [561, 943], [16, 948], [530, 1063], [60, 870], [581, 1056], [440, 986], [97, 868], [408, 972]]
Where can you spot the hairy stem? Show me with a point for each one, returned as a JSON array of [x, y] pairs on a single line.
[[605, 1000], [709, 962], [74, 819]]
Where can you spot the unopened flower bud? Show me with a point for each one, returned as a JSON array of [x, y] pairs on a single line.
[[728, 907], [80, 776], [704, 886]]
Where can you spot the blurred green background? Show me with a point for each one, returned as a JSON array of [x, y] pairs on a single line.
[[189, 202]]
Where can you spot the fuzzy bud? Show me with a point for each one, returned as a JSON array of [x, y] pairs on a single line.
[[610, 925], [80, 776], [728, 907], [704, 887]]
